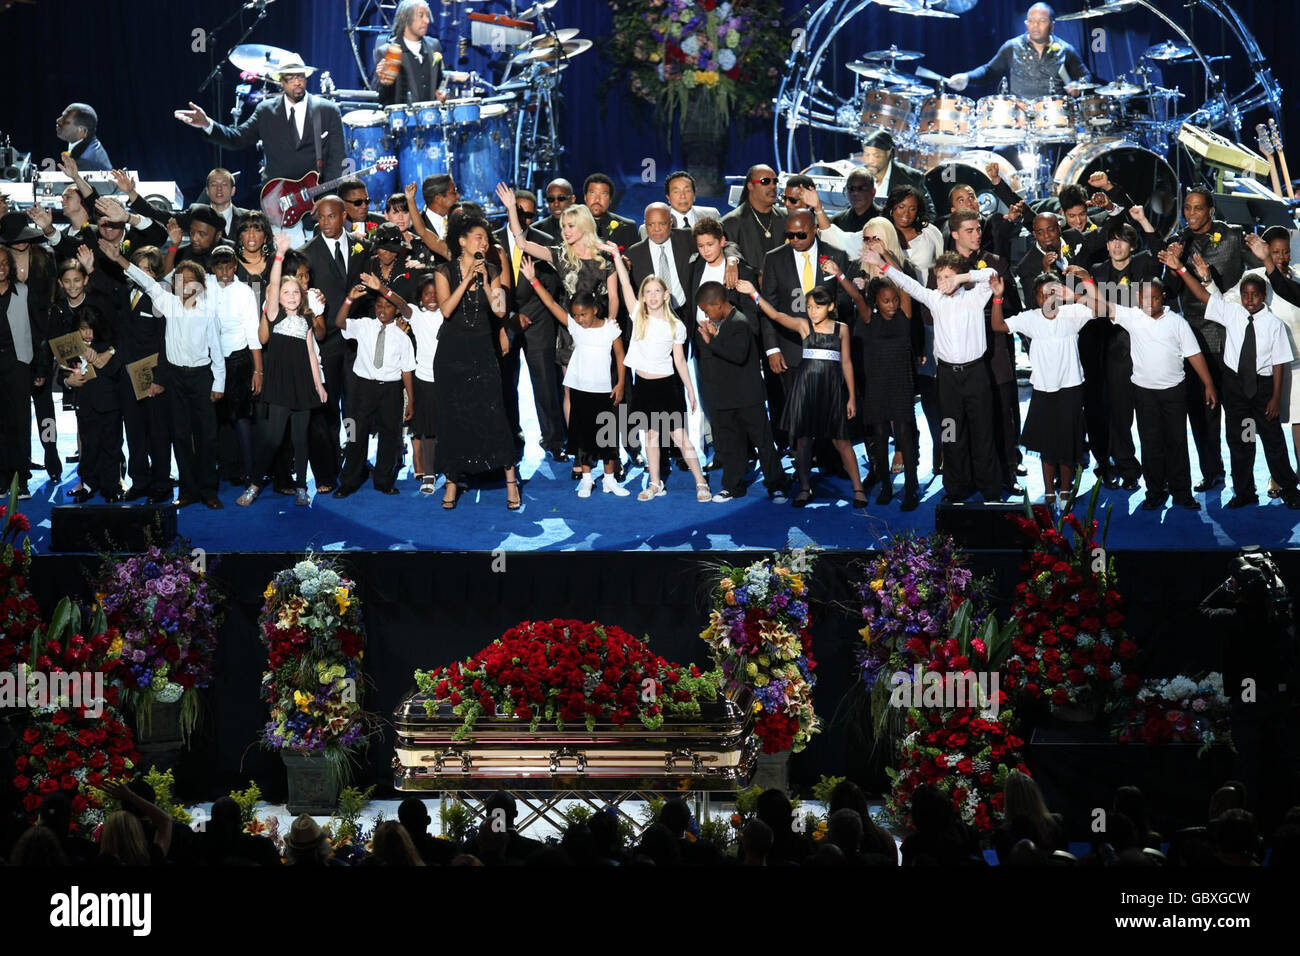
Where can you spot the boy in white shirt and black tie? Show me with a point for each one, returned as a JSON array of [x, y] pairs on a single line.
[[384, 365], [1159, 341], [1256, 354]]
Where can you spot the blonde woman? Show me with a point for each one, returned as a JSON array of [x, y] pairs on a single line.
[[658, 363]]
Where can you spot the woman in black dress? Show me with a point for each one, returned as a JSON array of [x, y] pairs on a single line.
[[888, 388], [472, 426], [253, 247]]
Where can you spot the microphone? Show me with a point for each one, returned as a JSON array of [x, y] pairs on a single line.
[[478, 281]]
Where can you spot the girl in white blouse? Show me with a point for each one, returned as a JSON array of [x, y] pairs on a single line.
[[658, 361]]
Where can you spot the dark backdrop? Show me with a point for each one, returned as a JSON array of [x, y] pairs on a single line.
[[135, 62]]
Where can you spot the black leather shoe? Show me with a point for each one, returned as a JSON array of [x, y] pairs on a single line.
[[35, 466], [112, 497], [81, 496], [214, 504], [1208, 483], [1015, 490], [911, 501], [1188, 502], [560, 455], [1021, 470], [620, 473], [341, 492], [636, 460], [388, 491], [72, 459], [1292, 501], [1153, 503], [1110, 479], [134, 493], [886, 494], [1130, 484], [1242, 501]]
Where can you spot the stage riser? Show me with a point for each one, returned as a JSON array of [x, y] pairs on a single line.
[[425, 609]]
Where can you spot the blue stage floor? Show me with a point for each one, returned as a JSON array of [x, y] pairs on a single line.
[[555, 519]]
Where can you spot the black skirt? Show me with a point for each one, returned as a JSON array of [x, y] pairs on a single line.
[[1054, 426], [593, 427], [239, 383], [658, 403], [423, 422]]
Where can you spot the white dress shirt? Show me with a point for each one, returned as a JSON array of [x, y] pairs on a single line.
[[959, 335], [674, 280], [344, 242], [1053, 345], [297, 113], [417, 50], [399, 354], [235, 306], [882, 185], [1158, 346], [437, 223], [711, 274], [1271, 344], [425, 325], [192, 334]]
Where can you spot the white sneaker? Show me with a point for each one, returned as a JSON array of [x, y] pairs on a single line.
[[611, 487], [585, 485]]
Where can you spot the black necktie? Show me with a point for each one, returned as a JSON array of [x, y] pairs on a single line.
[[1246, 364], [685, 225], [338, 258]]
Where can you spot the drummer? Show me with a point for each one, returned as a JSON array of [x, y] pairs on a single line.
[[408, 68], [1035, 63]]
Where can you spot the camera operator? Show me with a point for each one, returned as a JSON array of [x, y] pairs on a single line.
[[1251, 612]]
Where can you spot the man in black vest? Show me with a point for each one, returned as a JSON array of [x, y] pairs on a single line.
[[299, 133], [419, 78], [337, 261]]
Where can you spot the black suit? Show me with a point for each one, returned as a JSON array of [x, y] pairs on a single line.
[[91, 155], [549, 226], [336, 353], [738, 415], [783, 287], [642, 263], [539, 341], [417, 81], [745, 228], [620, 229], [286, 156]]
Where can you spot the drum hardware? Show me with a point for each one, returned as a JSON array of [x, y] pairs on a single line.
[[1119, 89], [554, 52], [1116, 6], [893, 55], [878, 73], [1143, 172], [935, 8], [1168, 52], [536, 10]]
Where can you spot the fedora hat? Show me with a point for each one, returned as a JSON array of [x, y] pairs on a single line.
[[292, 64], [305, 834], [16, 227]]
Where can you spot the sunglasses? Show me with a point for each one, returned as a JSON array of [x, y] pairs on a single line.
[[561, 198], [525, 214], [765, 181], [363, 201], [796, 235]]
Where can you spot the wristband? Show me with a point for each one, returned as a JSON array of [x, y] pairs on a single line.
[[388, 293], [1090, 281], [279, 258], [997, 301], [1183, 271], [755, 296], [347, 300], [534, 283], [257, 371]]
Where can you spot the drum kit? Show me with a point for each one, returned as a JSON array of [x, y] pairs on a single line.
[[481, 134], [1125, 126]]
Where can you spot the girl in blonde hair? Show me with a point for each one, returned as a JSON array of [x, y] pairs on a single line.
[[657, 359]]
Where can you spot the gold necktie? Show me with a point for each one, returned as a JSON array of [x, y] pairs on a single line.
[[516, 254], [807, 273]]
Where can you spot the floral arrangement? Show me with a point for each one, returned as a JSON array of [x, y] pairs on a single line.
[[669, 51], [759, 635], [966, 752], [566, 672], [909, 594], [75, 745], [19, 615], [1174, 710], [167, 613], [311, 626], [1071, 647]]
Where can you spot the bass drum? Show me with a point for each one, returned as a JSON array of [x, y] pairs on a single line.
[[968, 170], [1141, 172], [367, 140]]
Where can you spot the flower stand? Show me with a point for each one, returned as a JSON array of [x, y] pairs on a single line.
[[158, 734], [772, 772], [311, 787]]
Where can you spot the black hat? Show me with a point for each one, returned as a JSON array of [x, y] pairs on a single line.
[[879, 139], [388, 236], [16, 227], [202, 212]]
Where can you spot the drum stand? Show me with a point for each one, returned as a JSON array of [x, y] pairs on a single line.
[[537, 144]]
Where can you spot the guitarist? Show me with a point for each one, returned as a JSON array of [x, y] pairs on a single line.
[[409, 68], [300, 134], [337, 260]]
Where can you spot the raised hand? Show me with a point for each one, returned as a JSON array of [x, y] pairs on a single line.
[[1079, 272], [610, 247], [41, 216], [371, 281], [111, 209], [68, 166], [194, 116], [1100, 201], [1138, 214], [110, 250], [871, 254], [1017, 211], [358, 291], [86, 258], [947, 284], [831, 268], [1170, 258], [998, 285], [174, 234], [122, 181], [1099, 180], [1258, 248], [283, 242], [1202, 267], [994, 172], [745, 287], [410, 191], [1176, 248], [526, 268], [506, 195]]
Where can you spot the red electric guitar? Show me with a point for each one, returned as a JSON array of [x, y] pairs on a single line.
[[285, 201]]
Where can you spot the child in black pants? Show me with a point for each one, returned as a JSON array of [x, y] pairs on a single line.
[[384, 368], [99, 411], [737, 400]]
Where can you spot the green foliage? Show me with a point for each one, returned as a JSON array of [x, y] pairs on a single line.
[[352, 800], [578, 815], [456, 821], [163, 783], [247, 800], [719, 832], [823, 788]]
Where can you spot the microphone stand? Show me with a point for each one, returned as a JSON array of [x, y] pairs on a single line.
[[215, 73]]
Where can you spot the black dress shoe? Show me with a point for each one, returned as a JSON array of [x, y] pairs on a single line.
[[1209, 483], [1111, 481], [1021, 470], [1242, 501], [35, 466], [911, 501], [1292, 501], [886, 494], [870, 479], [635, 460], [72, 459], [112, 497], [186, 502], [341, 492], [388, 491], [1153, 503], [214, 504], [1130, 484], [81, 496], [1188, 502], [620, 473], [134, 493], [1015, 490], [560, 455]]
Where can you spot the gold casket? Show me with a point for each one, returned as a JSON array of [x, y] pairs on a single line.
[[713, 752]]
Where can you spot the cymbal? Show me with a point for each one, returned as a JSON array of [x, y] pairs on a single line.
[[547, 53], [1119, 89], [259, 58], [546, 39], [878, 73], [1116, 6], [1169, 50], [532, 12], [1084, 85], [893, 54], [912, 89]]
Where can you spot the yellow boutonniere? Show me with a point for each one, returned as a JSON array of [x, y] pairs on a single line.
[[1216, 239], [613, 224], [358, 247], [1124, 281], [1065, 248], [126, 246], [981, 264], [1054, 48]]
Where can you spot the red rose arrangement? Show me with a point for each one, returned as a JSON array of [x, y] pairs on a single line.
[[1071, 646], [564, 672], [19, 615]]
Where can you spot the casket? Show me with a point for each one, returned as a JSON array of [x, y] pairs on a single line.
[[713, 752]]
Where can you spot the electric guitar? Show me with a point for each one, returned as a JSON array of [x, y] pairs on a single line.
[[285, 201], [1281, 158], [1266, 147]]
